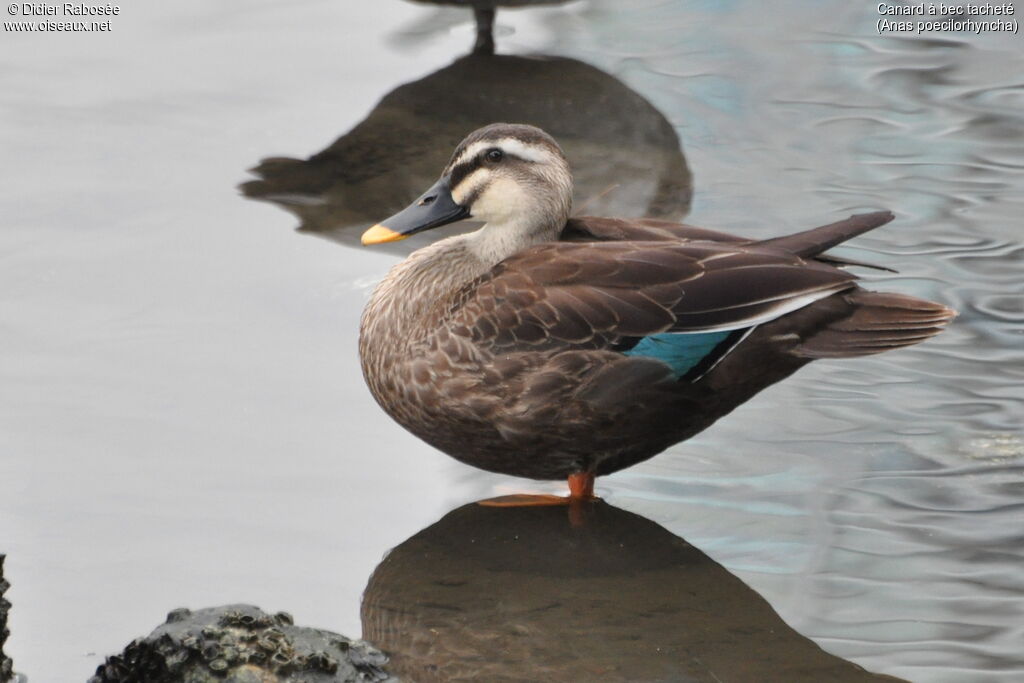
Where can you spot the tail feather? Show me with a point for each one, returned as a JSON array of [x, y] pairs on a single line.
[[879, 321], [818, 240], [843, 262]]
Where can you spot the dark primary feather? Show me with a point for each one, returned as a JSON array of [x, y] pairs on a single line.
[[590, 229], [819, 240], [844, 262], [601, 229]]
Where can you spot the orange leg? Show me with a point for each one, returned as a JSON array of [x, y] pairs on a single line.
[[581, 486]]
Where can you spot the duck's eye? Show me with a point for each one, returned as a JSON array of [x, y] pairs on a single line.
[[495, 155]]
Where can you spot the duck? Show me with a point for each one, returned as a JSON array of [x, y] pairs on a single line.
[[556, 347]]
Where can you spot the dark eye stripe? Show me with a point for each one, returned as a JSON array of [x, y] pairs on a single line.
[[460, 172]]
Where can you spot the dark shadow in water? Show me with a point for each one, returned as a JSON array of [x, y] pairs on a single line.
[[625, 155], [538, 593]]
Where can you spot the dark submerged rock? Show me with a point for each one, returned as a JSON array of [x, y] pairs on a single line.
[[241, 644]]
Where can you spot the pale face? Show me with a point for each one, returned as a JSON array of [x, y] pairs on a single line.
[[513, 177], [504, 179]]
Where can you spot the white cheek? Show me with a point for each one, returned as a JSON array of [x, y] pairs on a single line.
[[502, 199]]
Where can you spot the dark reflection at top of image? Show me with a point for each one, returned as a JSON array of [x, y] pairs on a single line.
[[570, 594], [625, 155], [484, 12]]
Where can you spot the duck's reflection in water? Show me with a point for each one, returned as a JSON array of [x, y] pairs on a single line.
[[484, 12], [586, 594], [626, 156]]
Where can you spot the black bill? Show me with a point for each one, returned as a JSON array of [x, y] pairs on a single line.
[[434, 208]]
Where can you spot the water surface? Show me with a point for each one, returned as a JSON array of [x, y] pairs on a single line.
[[182, 418]]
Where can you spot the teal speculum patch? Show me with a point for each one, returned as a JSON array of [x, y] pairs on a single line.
[[681, 352]]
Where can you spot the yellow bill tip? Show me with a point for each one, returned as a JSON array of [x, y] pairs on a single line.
[[378, 234]]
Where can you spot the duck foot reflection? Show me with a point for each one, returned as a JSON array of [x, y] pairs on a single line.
[[484, 30]]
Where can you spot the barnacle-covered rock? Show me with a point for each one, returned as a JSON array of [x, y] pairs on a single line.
[[241, 644], [6, 665]]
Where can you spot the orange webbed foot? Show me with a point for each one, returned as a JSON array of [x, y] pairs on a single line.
[[521, 500], [581, 490]]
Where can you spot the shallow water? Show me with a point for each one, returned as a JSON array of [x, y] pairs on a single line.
[[182, 417]]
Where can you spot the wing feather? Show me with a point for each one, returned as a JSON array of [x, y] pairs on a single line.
[[593, 294]]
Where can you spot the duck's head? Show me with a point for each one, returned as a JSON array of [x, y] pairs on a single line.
[[513, 177]]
